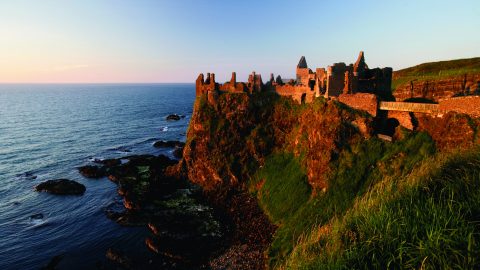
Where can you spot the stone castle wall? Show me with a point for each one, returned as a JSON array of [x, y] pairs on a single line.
[[361, 101], [355, 85], [331, 82], [301, 93]]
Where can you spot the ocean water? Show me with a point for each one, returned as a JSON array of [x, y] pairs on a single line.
[[47, 131]]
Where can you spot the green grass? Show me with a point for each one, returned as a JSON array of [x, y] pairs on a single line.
[[442, 68], [285, 195], [283, 186], [436, 70], [428, 219]]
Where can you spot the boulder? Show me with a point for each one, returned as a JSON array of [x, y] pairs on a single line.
[[165, 144], [37, 216], [119, 258], [91, 171], [108, 162], [173, 117], [178, 152], [61, 187]]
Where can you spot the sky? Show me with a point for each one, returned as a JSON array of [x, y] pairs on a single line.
[[144, 41]]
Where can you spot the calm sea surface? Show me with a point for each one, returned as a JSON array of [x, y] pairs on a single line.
[[47, 131]]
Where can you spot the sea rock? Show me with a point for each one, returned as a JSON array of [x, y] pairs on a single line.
[[108, 162], [119, 258], [91, 171], [178, 152], [27, 175], [36, 216], [174, 117], [165, 144], [61, 187], [152, 245]]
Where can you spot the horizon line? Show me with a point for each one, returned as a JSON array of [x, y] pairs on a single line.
[[193, 82]]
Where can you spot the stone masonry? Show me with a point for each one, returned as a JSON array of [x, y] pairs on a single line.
[[331, 82], [355, 85]]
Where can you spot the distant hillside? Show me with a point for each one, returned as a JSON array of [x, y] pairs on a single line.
[[437, 80], [451, 67]]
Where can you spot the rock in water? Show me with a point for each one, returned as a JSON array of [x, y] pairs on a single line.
[[61, 187], [161, 144], [178, 152], [173, 117], [37, 216], [108, 162], [90, 171], [119, 258]]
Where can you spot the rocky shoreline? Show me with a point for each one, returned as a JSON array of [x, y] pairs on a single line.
[[189, 229]]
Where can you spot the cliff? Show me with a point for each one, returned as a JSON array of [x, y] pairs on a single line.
[[438, 80], [313, 170], [229, 140]]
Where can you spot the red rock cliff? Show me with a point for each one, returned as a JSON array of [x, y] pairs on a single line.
[[228, 141]]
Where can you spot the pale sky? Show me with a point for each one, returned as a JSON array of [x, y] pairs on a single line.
[[172, 41]]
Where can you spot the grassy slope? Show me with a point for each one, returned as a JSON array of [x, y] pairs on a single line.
[[436, 70], [428, 219], [376, 213]]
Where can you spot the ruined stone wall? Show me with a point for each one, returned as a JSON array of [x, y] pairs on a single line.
[[336, 79], [377, 81], [303, 76], [239, 87], [204, 86], [361, 101], [467, 105], [296, 92]]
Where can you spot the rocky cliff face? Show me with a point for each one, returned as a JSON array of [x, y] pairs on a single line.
[[436, 88], [449, 131], [229, 140]]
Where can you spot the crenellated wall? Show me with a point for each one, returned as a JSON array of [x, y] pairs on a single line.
[[330, 82], [355, 85], [299, 93]]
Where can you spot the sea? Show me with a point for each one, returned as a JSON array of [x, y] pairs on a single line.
[[47, 131]]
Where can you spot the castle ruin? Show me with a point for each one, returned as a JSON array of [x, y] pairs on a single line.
[[331, 82], [355, 85]]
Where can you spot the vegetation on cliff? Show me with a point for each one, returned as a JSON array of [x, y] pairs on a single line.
[[425, 219], [451, 67], [341, 198], [452, 70], [357, 169]]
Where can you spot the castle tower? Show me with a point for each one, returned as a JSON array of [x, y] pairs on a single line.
[[347, 83], [302, 71], [302, 63], [212, 78], [199, 84], [360, 66], [233, 80]]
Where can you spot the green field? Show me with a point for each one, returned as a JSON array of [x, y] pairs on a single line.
[[436, 70]]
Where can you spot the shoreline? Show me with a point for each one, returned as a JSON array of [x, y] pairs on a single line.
[[246, 231]]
